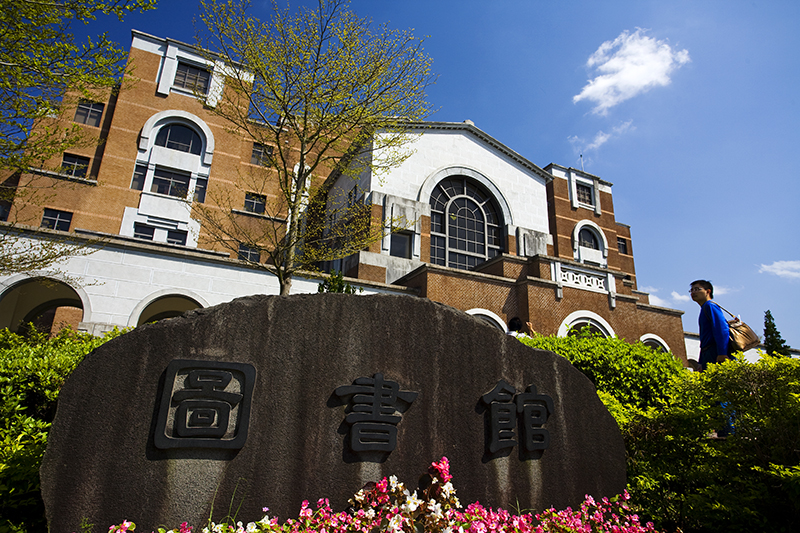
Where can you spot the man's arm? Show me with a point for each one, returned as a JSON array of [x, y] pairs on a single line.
[[720, 331]]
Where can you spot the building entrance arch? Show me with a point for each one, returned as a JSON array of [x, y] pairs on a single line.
[[49, 304], [165, 305]]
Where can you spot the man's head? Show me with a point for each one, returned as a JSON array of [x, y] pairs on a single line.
[[515, 324], [701, 291]]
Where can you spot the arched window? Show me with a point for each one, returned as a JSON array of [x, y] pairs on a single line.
[[179, 137], [595, 328], [466, 225], [588, 239]]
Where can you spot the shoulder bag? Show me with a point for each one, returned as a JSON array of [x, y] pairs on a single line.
[[741, 336]]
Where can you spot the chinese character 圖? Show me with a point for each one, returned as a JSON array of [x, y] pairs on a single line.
[[373, 411], [205, 404], [507, 410]]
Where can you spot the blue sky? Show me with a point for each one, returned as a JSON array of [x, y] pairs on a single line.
[[690, 108]]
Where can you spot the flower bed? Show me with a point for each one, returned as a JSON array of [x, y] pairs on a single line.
[[388, 506]]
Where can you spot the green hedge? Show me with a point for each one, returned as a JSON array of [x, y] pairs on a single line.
[[680, 476], [32, 371]]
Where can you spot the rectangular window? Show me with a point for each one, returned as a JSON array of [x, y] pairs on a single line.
[[248, 253], [175, 236], [622, 245], [400, 245], [261, 155], [139, 174], [170, 183], [74, 165], [89, 113], [585, 193], [192, 78], [255, 203], [143, 231], [200, 190], [54, 219]]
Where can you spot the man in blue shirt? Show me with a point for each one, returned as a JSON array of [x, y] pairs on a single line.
[[713, 326]]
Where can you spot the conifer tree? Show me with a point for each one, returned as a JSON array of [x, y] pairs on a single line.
[[773, 342]]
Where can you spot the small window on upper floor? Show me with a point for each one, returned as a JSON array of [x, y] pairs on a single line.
[[255, 203], [139, 174], [192, 78], [585, 193], [248, 253], [89, 113], [200, 190], [175, 236], [170, 183], [143, 231], [74, 166], [622, 245], [179, 137], [400, 244], [54, 219], [262, 155], [588, 239]]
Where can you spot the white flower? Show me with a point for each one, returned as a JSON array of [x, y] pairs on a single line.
[[393, 481], [411, 504], [396, 523], [359, 496], [448, 489], [370, 513], [251, 527], [435, 509], [217, 528]]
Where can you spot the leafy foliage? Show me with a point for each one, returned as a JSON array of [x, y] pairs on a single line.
[[336, 283], [32, 371], [773, 342], [44, 73], [633, 374], [325, 96], [682, 477]]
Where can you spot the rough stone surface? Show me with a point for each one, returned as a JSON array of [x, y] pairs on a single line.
[[102, 464]]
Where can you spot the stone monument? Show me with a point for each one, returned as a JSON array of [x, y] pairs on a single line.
[[269, 401]]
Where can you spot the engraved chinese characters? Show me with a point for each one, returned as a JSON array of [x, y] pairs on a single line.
[[205, 404], [506, 411], [373, 403]]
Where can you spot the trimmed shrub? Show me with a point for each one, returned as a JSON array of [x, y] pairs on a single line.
[[32, 371]]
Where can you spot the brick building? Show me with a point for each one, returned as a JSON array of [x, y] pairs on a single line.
[[486, 231]]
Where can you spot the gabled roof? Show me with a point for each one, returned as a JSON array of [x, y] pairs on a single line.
[[469, 127]]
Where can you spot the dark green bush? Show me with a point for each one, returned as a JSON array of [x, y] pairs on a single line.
[[32, 370]]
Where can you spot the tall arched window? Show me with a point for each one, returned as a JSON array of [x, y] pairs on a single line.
[[179, 137], [588, 239], [466, 225]]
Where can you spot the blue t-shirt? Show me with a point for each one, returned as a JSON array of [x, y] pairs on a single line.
[[713, 333]]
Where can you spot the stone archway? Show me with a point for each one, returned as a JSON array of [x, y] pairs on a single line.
[[167, 306], [49, 304]]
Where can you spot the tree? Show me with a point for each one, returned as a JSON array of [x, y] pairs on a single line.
[[320, 95], [43, 73], [773, 342]]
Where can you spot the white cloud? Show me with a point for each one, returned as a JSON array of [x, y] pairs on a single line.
[[601, 137], [655, 300], [682, 297], [783, 269], [719, 290], [627, 66]]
